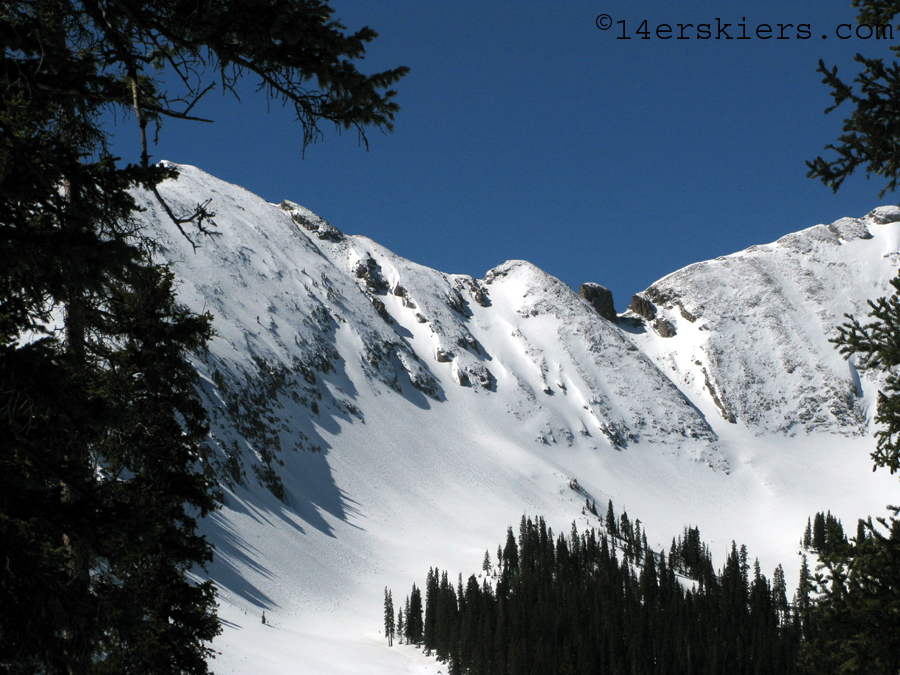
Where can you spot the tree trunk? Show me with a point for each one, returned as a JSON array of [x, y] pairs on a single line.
[[75, 484]]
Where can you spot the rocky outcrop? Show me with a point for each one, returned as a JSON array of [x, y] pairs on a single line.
[[443, 356], [664, 328], [400, 292], [479, 294], [687, 315], [474, 375], [727, 415], [369, 271], [642, 306], [311, 222], [600, 298], [382, 311], [884, 215]]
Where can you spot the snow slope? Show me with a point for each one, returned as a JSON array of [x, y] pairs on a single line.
[[756, 325], [374, 417]]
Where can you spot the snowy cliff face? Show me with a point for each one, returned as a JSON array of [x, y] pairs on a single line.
[[306, 315], [373, 417], [751, 330]]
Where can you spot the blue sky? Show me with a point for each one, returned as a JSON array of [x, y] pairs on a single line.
[[527, 132]]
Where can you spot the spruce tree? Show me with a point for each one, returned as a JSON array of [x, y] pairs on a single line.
[[859, 625], [871, 139], [389, 625], [102, 463], [860, 530], [589, 614], [407, 633], [415, 626], [779, 596], [611, 519], [818, 537], [803, 603], [876, 345], [154, 617]]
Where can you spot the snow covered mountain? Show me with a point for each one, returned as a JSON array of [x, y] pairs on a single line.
[[374, 417]]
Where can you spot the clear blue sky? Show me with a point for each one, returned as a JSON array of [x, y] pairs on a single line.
[[527, 132]]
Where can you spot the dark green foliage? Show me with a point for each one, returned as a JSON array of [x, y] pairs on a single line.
[[857, 614], [858, 608], [872, 141], [803, 601], [415, 626], [100, 493], [150, 477], [779, 595], [876, 345], [610, 521], [825, 534], [818, 537], [571, 606], [389, 625], [689, 556], [510, 553], [103, 472], [871, 132], [856, 617]]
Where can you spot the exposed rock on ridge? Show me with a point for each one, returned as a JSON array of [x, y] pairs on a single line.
[[308, 318], [600, 298], [766, 315]]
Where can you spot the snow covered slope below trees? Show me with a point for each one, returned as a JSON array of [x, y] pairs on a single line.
[[372, 417]]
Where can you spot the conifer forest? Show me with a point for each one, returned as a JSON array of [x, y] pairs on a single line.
[[601, 601]]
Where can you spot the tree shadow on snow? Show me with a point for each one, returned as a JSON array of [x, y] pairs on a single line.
[[234, 559]]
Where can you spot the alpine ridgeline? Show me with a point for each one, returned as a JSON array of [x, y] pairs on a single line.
[[372, 417]]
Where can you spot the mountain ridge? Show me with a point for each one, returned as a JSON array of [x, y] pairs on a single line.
[[372, 417]]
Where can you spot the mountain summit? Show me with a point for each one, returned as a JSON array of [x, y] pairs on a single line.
[[373, 417]]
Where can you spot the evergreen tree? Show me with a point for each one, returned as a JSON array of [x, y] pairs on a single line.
[[779, 596], [611, 519], [803, 600], [510, 552], [431, 592], [407, 634], [389, 625], [562, 612], [818, 537], [876, 345], [415, 627], [860, 530], [102, 464], [859, 624], [154, 617], [871, 139]]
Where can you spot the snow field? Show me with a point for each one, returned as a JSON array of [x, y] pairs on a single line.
[[383, 480]]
